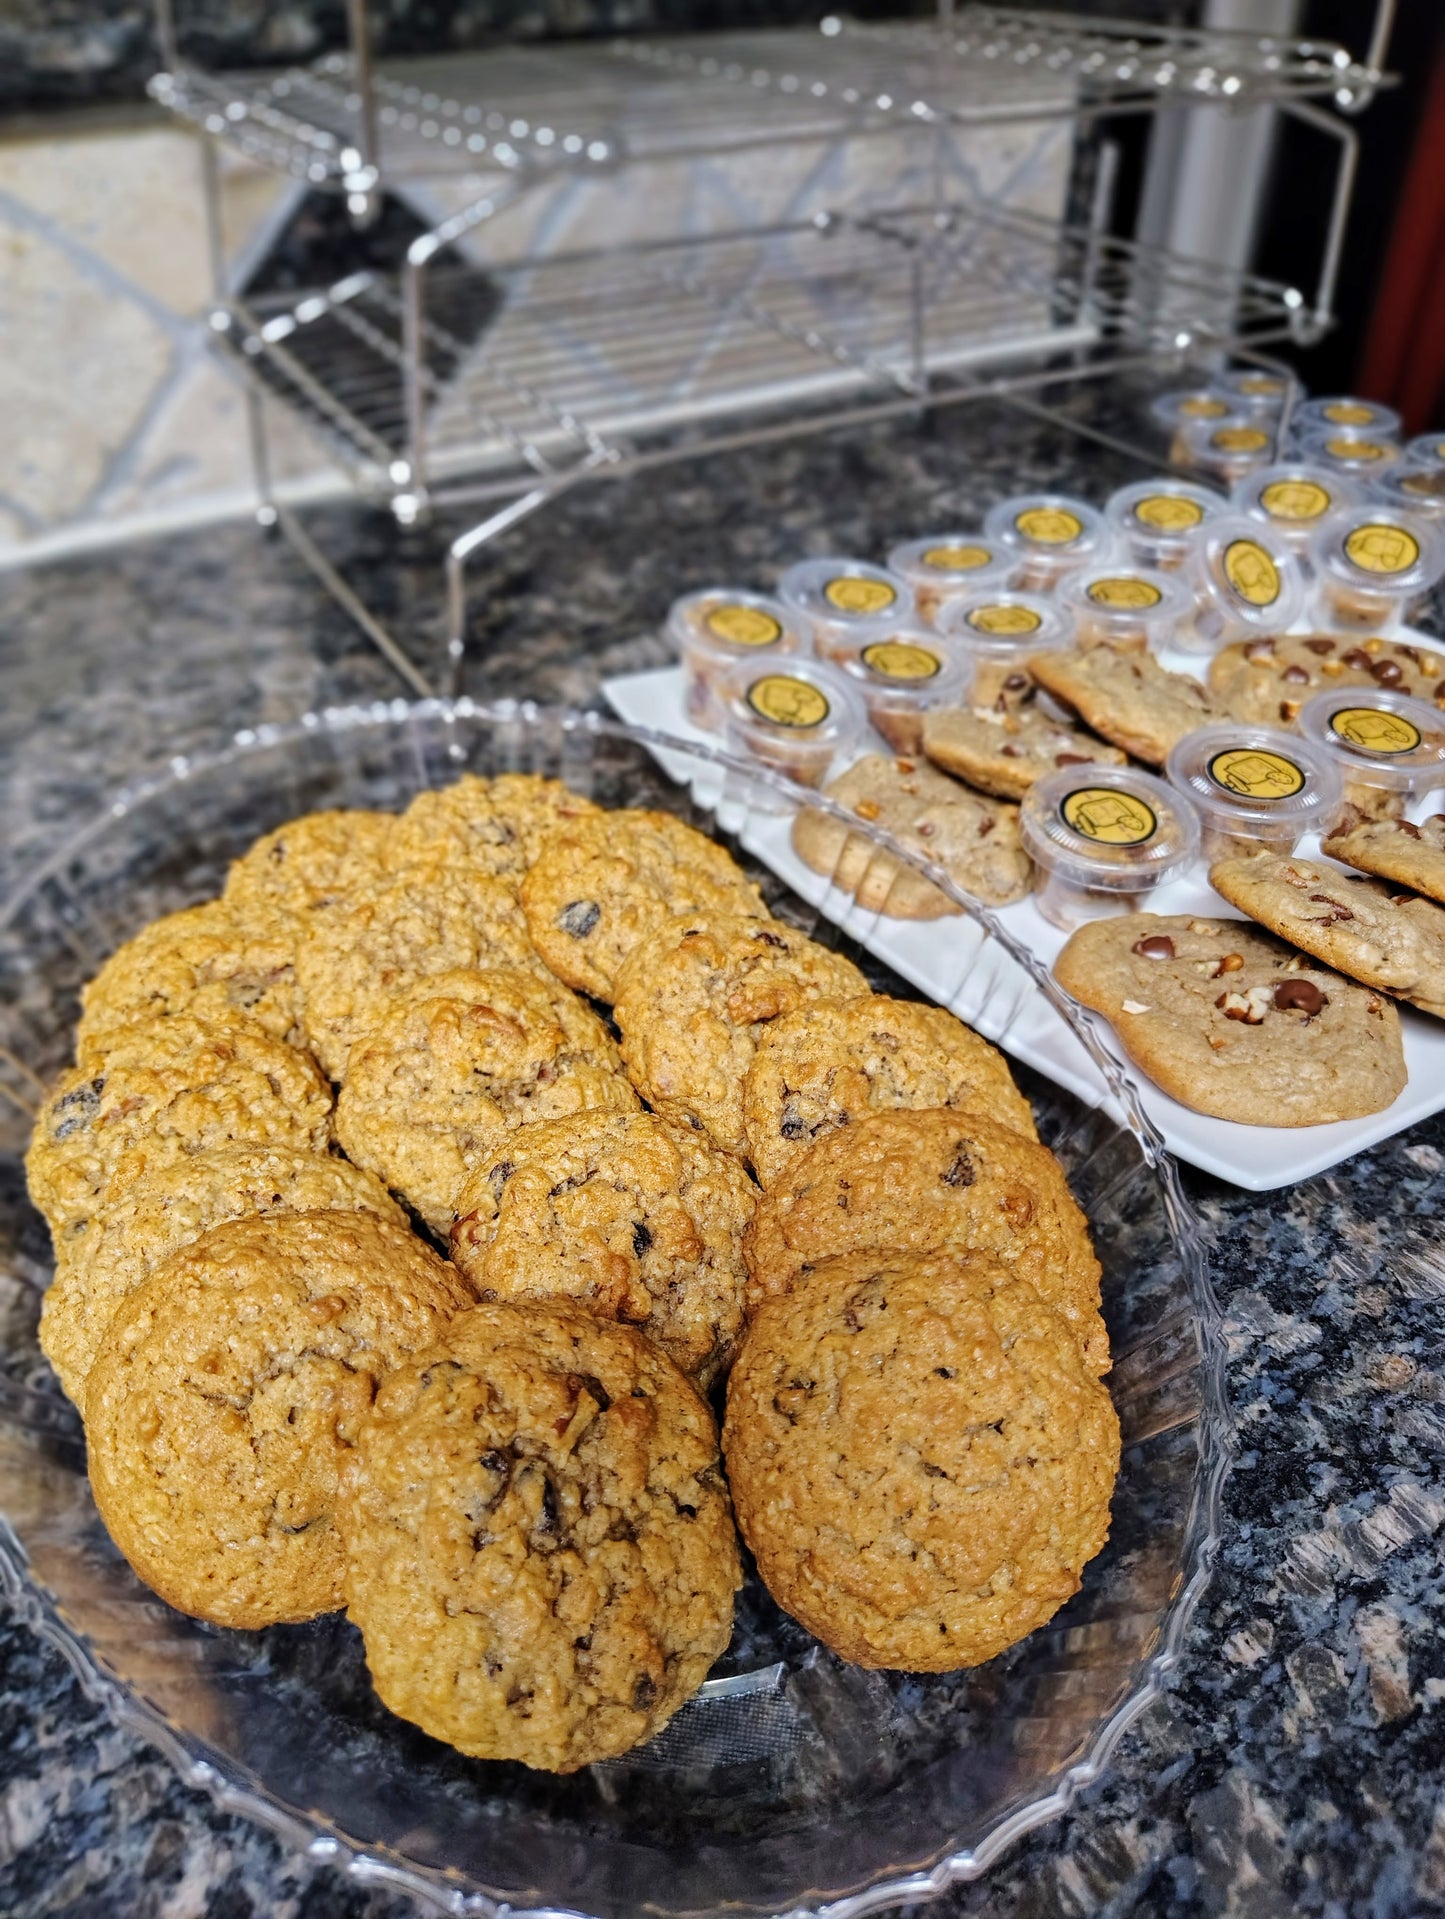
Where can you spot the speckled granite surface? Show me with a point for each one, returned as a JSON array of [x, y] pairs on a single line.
[[1297, 1764]]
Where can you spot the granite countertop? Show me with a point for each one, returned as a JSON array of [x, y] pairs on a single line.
[[1295, 1763]]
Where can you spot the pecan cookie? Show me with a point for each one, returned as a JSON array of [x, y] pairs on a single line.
[[541, 1552], [432, 917], [451, 1069], [1003, 749], [165, 1092], [930, 1182], [1371, 929], [1412, 856], [309, 865], [1128, 698], [1271, 679], [230, 1387], [825, 1066], [922, 1464], [500, 825], [974, 839], [633, 1218], [166, 1210], [1231, 1022], [206, 961], [600, 886], [693, 1001]]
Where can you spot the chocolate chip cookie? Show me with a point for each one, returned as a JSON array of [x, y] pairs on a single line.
[[228, 1390], [826, 1065], [694, 999], [1412, 856], [541, 1551], [1003, 749], [1233, 1023], [452, 1068], [1128, 697], [499, 825], [922, 1464], [1270, 679], [635, 1219]]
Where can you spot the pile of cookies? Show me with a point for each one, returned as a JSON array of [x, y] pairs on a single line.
[[502, 1461]]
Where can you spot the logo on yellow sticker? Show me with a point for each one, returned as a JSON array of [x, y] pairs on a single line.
[[1425, 486], [1349, 413], [1378, 547], [898, 660], [851, 595], [1255, 774], [1202, 408], [1168, 513], [1131, 594], [1356, 450], [1239, 439], [1049, 525], [1108, 817], [957, 559], [743, 626], [1251, 572], [1295, 500], [1005, 619], [788, 702], [1375, 730]]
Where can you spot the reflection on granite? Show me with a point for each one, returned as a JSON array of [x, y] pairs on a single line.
[[1295, 1764]]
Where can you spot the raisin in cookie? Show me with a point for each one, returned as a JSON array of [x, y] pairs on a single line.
[[206, 961], [974, 839], [922, 1464], [928, 1182], [825, 1066], [165, 1092], [1271, 679], [1412, 856], [166, 1210], [230, 1387], [541, 1551], [601, 886], [308, 866], [500, 825], [1371, 929], [694, 1000], [633, 1218], [1003, 751], [453, 1068], [1128, 697], [1233, 1023]]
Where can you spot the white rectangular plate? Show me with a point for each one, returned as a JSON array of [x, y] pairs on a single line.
[[939, 958]]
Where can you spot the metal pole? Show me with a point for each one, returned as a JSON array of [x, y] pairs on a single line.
[[413, 364], [343, 595], [166, 34], [460, 552], [362, 178], [1326, 123]]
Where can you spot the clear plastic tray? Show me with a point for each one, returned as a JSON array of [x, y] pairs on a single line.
[[793, 1783]]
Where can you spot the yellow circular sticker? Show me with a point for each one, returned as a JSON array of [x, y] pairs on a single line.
[[1251, 572], [1425, 486], [1374, 730], [852, 595], [1133, 594], [743, 626], [1110, 818], [1202, 408], [1356, 450], [1261, 386], [1005, 619], [957, 559], [1049, 525], [898, 660], [1169, 512], [1379, 548], [1239, 439], [788, 702], [1255, 774], [1349, 413], [1295, 500]]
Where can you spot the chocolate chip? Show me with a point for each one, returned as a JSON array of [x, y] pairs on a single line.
[[1155, 946], [1258, 649], [579, 918], [1296, 676], [1299, 996], [987, 827], [1016, 682], [1322, 647], [1009, 752], [1407, 826], [1338, 911], [1388, 672], [962, 1172], [1358, 658], [1071, 759]]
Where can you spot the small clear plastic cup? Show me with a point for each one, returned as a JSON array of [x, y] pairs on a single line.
[[716, 628], [1102, 838], [1156, 522], [842, 600], [1355, 455], [799, 716], [1256, 389], [1247, 583], [903, 677], [1346, 416], [1414, 487], [1185, 407], [1049, 535], [997, 633], [1121, 605], [1390, 747], [945, 565], [1229, 450], [1426, 449], [1255, 787], [1293, 499], [1372, 565]]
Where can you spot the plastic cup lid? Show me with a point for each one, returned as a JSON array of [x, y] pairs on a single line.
[[1190, 403], [1051, 525], [1350, 453], [734, 622], [911, 664], [1293, 496], [1379, 551], [806, 701], [1004, 623], [1125, 595], [950, 560], [1110, 827], [1250, 573], [1398, 740], [1344, 413], [843, 592], [1166, 511], [1255, 386], [1228, 442], [1256, 776], [1426, 449]]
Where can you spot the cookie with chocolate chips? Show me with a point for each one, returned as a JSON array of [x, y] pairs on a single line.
[[1392, 849], [1003, 749], [1270, 679], [1234, 1023], [1127, 697]]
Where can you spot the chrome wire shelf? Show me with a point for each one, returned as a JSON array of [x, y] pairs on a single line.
[[594, 105]]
